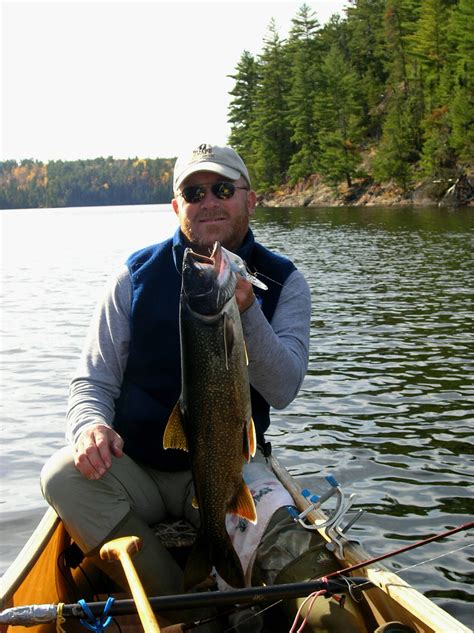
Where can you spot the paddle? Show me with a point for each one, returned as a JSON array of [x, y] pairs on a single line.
[[120, 549]]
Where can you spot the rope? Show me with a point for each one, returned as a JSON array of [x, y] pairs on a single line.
[[311, 599], [60, 619]]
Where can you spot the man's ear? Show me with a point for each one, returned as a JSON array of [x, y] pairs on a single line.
[[251, 201], [174, 204]]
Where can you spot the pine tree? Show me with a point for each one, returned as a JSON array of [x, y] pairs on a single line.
[[366, 45], [403, 111], [429, 45], [242, 107], [271, 147], [304, 52], [461, 38], [337, 112]]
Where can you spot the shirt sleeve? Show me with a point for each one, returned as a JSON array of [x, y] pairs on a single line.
[[279, 352], [97, 381]]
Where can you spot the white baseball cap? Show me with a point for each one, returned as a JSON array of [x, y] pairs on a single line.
[[221, 160]]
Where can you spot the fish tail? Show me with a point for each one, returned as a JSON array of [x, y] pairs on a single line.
[[203, 558], [228, 565], [199, 564]]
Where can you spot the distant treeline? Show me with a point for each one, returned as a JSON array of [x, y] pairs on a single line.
[[101, 181], [386, 92]]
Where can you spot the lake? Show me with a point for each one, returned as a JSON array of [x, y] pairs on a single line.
[[387, 406]]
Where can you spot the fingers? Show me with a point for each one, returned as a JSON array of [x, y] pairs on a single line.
[[94, 449], [244, 294]]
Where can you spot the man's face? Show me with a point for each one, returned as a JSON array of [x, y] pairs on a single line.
[[213, 219]]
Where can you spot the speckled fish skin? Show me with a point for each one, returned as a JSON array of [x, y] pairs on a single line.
[[214, 411]]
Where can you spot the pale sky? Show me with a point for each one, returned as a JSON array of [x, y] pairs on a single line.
[[124, 79]]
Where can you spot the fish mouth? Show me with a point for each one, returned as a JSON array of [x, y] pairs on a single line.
[[213, 265], [208, 281]]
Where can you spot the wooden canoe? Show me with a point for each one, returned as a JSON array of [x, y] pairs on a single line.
[[35, 577]]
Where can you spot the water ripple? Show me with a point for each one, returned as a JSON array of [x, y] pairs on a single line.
[[387, 405]]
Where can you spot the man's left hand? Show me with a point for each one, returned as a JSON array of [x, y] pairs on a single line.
[[244, 294]]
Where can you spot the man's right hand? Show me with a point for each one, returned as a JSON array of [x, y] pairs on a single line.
[[94, 449]]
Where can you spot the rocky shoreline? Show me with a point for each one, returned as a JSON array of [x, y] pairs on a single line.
[[313, 192]]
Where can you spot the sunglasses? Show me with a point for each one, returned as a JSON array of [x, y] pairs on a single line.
[[222, 190]]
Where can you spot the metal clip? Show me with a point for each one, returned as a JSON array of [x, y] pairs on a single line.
[[336, 532], [333, 524], [315, 502]]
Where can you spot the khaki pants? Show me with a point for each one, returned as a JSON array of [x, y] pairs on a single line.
[[90, 510]]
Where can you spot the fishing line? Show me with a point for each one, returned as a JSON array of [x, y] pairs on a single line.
[[430, 560], [253, 615], [397, 571]]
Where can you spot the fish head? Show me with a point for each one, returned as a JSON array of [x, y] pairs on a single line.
[[208, 282]]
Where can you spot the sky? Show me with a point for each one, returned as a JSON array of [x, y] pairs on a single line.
[[126, 79]]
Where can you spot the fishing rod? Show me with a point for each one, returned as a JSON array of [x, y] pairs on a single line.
[[34, 614], [376, 559]]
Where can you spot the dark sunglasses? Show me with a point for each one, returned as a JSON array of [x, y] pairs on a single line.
[[222, 190]]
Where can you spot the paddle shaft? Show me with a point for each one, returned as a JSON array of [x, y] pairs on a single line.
[[119, 549]]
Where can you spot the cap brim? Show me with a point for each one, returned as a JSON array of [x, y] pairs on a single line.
[[222, 170]]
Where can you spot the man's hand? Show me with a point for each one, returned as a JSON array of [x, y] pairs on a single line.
[[94, 449], [244, 294]]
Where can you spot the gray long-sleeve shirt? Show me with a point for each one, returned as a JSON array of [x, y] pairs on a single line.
[[278, 352]]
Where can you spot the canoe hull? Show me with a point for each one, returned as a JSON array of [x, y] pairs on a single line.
[[38, 577]]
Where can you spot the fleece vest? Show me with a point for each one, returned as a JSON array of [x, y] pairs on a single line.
[[152, 379]]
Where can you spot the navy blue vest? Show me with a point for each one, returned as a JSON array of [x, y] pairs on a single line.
[[152, 380]]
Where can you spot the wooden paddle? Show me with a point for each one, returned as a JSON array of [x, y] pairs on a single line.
[[120, 549]]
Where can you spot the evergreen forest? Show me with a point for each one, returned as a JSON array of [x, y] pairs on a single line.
[[383, 93]]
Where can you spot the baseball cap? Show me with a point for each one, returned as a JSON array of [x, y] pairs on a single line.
[[220, 160]]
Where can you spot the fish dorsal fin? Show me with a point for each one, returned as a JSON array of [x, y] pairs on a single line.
[[243, 504], [229, 337], [250, 440], [174, 435]]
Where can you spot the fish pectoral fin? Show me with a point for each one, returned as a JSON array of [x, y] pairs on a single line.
[[229, 337], [250, 440], [243, 504], [174, 435], [195, 503]]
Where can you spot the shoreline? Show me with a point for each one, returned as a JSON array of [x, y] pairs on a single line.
[[313, 193]]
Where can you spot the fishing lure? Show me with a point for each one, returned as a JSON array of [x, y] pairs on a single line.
[[239, 267]]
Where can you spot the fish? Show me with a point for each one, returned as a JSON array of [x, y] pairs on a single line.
[[212, 419]]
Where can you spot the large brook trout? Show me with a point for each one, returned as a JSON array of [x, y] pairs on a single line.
[[212, 419]]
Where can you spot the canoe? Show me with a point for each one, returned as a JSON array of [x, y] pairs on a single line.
[[39, 576]]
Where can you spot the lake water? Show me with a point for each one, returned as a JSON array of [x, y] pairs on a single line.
[[387, 406]]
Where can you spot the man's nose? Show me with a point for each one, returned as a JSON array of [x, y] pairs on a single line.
[[210, 199]]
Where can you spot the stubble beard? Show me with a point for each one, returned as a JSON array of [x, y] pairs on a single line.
[[231, 236]]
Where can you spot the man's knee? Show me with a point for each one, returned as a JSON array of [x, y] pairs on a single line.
[[56, 475]]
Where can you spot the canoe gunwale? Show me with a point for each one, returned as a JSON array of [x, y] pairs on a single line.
[[27, 557]]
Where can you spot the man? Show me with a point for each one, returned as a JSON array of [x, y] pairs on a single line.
[[115, 478]]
